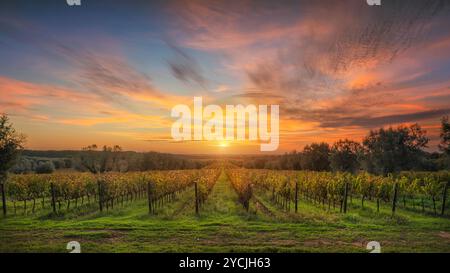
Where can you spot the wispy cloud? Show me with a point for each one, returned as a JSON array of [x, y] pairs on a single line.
[[336, 68], [185, 68], [374, 122]]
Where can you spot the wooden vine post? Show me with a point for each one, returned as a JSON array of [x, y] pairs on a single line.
[[394, 200], [345, 197], [296, 196], [444, 197], [2, 188], [100, 195], [196, 198], [52, 189], [149, 197]]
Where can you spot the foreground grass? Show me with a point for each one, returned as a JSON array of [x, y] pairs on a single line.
[[224, 226]]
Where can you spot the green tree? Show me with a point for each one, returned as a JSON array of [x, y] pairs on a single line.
[[316, 157], [11, 143], [45, 167], [344, 156], [395, 149]]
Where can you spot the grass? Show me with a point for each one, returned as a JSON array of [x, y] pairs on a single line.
[[224, 226]]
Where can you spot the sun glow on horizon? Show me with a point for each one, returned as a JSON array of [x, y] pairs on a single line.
[[223, 144]]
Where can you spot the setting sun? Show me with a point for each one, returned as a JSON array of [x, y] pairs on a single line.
[[223, 144]]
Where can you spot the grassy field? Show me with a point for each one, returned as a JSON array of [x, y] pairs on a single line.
[[224, 226]]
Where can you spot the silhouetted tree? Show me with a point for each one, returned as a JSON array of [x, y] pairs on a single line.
[[316, 157], [100, 161], [344, 156], [445, 136], [392, 150]]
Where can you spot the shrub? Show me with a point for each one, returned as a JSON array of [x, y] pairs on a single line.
[[45, 167]]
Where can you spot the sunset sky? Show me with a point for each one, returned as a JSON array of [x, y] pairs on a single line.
[[109, 72]]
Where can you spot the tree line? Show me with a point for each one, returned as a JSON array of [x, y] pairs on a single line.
[[382, 151], [120, 161]]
